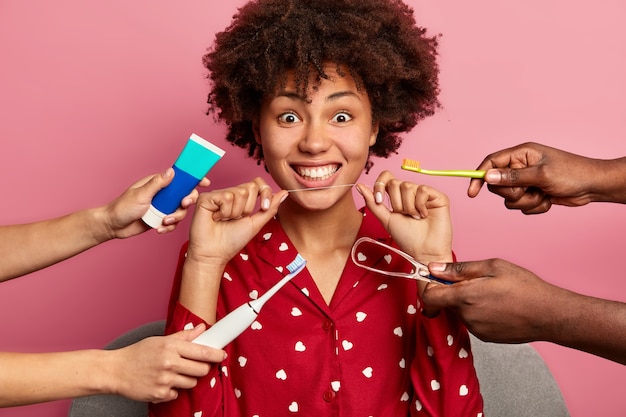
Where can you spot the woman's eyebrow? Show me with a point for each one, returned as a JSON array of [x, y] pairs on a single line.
[[340, 94], [334, 96]]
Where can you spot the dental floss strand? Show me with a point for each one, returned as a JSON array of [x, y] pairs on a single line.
[[320, 188]]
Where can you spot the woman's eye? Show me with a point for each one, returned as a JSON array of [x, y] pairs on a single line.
[[342, 117], [288, 118]]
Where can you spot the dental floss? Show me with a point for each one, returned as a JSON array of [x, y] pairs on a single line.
[[320, 188], [194, 162]]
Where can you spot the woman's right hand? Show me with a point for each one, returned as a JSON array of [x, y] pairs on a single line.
[[226, 220]]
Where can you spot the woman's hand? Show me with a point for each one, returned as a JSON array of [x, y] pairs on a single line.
[[418, 216], [225, 220]]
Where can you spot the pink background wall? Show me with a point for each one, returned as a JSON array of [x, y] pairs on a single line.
[[94, 95]]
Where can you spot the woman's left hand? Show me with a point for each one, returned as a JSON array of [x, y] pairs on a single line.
[[418, 216]]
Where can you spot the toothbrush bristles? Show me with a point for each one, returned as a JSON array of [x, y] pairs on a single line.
[[410, 163], [296, 264]]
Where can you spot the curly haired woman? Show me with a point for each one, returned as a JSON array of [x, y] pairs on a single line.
[[313, 89]]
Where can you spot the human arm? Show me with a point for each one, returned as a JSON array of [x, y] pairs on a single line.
[[532, 177], [223, 222], [150, 370], [26, 248], [502, 302]]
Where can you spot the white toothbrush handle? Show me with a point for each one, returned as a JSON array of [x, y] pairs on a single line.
[[228, 328]]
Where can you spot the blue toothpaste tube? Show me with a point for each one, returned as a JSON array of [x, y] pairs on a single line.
[[194, 162]]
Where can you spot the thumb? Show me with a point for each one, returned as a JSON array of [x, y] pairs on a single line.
[[512, 177], [261, 217], [381, 212], [190, 334], [157, 182]]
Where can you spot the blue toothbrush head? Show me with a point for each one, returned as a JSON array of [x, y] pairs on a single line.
[[297, 264]]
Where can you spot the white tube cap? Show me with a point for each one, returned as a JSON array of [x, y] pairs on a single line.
[[153, 217]]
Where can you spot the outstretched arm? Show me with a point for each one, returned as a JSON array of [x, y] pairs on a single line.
[[502, 302], [26, 248], [532, 177], [150, 370]]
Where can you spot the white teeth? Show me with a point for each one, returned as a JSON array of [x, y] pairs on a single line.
[[319, 173]]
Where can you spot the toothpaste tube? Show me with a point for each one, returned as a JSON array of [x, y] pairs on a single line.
[[194, 162]]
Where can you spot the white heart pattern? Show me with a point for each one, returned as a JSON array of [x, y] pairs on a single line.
[[434, 384], [335, 385], [254, 294], [267, 236], [360, 257], [418, 405], [300, 347], [463, 391], [242, 361], [398, 331], [197, 414], [244, 256], [256, 325], [293, 407], [450, 340], [347, 345], [382, 287], [411, 309], [188, 326], [283, 247], [237, 393], [368, 372], [227, 276], [402, 363], [405, 397], [296, 312], [360, 316], [387, 258], [212, 382], [463, 353], [282, 375]]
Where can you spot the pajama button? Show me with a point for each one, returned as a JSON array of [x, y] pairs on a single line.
[[329, 396], [327, 325]]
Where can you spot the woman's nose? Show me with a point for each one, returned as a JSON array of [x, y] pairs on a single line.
[[316, 139]]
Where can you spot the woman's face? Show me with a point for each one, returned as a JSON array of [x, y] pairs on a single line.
[[319, 141]]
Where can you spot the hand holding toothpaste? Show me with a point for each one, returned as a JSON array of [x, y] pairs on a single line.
[[194, 162], [123, 215]]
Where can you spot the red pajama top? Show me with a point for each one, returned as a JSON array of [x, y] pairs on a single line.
[[369, 353]]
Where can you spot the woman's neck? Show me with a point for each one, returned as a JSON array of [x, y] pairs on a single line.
[[321, 230]]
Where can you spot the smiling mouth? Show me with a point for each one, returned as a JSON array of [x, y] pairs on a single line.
[[317, 173]]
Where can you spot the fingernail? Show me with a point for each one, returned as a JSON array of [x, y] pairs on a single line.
[[436, 266], [283, 198], [378, 197], [493, 176], [265, 204]]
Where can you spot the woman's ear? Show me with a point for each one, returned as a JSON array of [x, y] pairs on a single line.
[[256, 130], [374, 134]]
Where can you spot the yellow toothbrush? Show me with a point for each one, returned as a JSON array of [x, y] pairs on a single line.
[[411, 165]]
